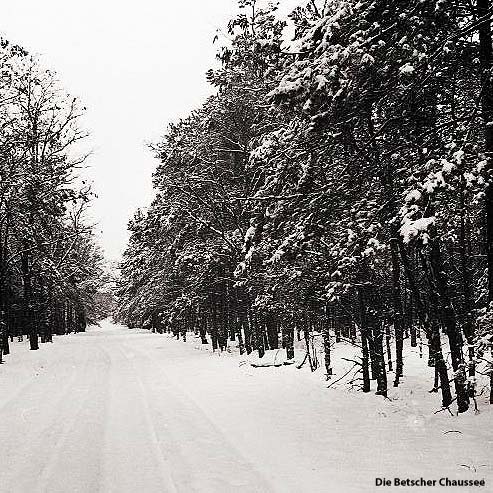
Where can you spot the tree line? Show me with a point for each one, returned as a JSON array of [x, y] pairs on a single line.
[[338, 183], [50, 264]]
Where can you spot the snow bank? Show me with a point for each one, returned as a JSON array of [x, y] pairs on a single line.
[[126, 410]]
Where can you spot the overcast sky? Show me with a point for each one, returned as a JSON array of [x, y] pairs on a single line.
[[137, 66]]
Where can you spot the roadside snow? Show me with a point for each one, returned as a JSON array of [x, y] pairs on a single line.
[[119, 410]]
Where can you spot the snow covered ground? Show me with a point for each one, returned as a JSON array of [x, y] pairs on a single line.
[[119, 410]]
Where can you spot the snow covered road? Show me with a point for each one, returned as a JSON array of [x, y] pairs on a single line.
[[115, 410]]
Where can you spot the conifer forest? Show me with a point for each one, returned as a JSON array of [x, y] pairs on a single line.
[[338, 187], [305, 303]]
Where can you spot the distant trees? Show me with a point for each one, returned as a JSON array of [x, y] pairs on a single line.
[[335, 186], [48, 257]]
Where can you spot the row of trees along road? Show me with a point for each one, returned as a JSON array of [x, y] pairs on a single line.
[[50, 266], [339, 184]]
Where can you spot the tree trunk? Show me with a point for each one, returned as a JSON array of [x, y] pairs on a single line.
[[202, 321], [412, 326], [259, 333], [213, 323], [364, 342], [288, 342], [388, 339], [468, 326], [485, 58], [397, 311], [431, 329], [272, 331], [450, 324], [326, 341], [29, 322], [243, 318]]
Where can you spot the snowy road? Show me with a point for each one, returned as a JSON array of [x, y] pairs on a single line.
[[115, 410]]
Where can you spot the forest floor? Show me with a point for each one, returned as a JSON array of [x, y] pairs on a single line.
[[119, 410]]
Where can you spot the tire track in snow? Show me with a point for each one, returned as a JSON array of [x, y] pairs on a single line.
[[158, 453], [52, 473], [31, 434], [130, 427], [199, 443]]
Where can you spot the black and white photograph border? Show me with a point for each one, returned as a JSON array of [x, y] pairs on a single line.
[[246, 246]]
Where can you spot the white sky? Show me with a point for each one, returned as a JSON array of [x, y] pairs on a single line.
[[136, 66]]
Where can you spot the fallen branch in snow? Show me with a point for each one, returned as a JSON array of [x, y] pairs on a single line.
[[447, 408], [353, 382], [472, 467], [303, 362], [345, 375], [352, 361], [353, 343], [476, 408]]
